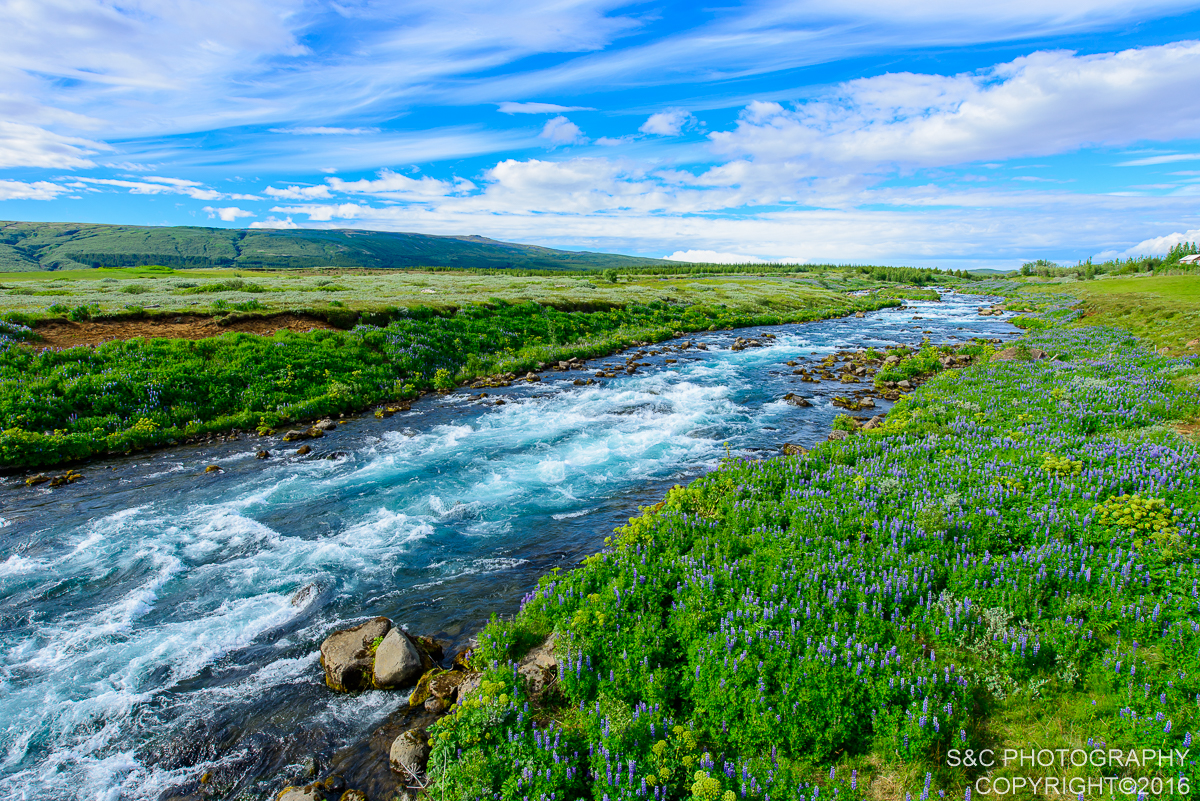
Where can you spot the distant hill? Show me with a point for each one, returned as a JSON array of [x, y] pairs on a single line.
[[28, 246]]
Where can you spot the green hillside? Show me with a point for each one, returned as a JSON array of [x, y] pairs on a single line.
[[26, 246]]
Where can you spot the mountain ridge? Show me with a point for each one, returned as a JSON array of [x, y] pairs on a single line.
[[47, 246]]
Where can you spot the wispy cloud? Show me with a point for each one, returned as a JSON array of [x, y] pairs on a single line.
[[509, 107], [1168, 159], [396, 186], [324, 131], [157, 186], [713, 257], [30, 146], [38, 190]]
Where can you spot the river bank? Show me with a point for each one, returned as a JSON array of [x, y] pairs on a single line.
[[183, 588], [67, 406]]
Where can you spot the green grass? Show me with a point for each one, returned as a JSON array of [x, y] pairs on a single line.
[[64, 405], [1161, 309], [160, 292]]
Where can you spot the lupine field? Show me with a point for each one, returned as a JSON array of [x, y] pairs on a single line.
[[1008, 562]]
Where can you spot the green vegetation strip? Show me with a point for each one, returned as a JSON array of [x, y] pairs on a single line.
[[65, 405], [1008, 562]]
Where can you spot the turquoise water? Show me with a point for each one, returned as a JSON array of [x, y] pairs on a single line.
[[158, 622]]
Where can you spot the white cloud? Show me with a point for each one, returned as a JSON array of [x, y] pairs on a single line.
[[610, 141], [158, 67], [30, 146], [272, 222], [969, 230], [298, 192], [1155, 246], [561, 131], [229, 213], [667, 123], [509, 107], [151, 185], [324, 131], [1151, 160], [399, 187], [775, 35], [712, 257], [1041, 104], [38, 190], [129, 166]]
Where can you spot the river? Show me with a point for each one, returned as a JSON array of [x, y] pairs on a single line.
[[158, 622]]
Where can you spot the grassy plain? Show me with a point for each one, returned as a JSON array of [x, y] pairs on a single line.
[[1162, 309], [160, 291]]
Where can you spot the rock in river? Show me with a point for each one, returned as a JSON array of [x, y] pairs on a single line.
[[409, 753], [347, 658], [398, 660]]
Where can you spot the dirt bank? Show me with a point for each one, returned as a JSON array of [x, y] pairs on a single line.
[[66, 333]]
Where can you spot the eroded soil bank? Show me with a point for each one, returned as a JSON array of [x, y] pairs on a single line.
[[68, 333]]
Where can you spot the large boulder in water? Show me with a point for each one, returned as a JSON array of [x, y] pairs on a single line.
[[347, 655], [399, 660]]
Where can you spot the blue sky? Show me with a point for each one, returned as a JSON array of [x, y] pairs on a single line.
[[930, 133]]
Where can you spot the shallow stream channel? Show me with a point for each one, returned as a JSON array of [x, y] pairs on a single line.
[[159, 623]]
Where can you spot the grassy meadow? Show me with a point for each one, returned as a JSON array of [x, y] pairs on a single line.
[[415, 333], [159, 291], [1160, 309]]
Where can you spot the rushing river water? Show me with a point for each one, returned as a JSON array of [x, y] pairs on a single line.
[[157, 622]]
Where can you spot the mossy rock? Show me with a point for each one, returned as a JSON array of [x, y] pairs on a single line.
[[421, 692]]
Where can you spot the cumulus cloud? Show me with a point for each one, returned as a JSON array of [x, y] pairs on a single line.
[[561, 131], [1041, 104], [509, 107], [229, 213], [38, 190], [298, 192], [667, 123], [713, 257], [30, 146], [1155, 246]]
